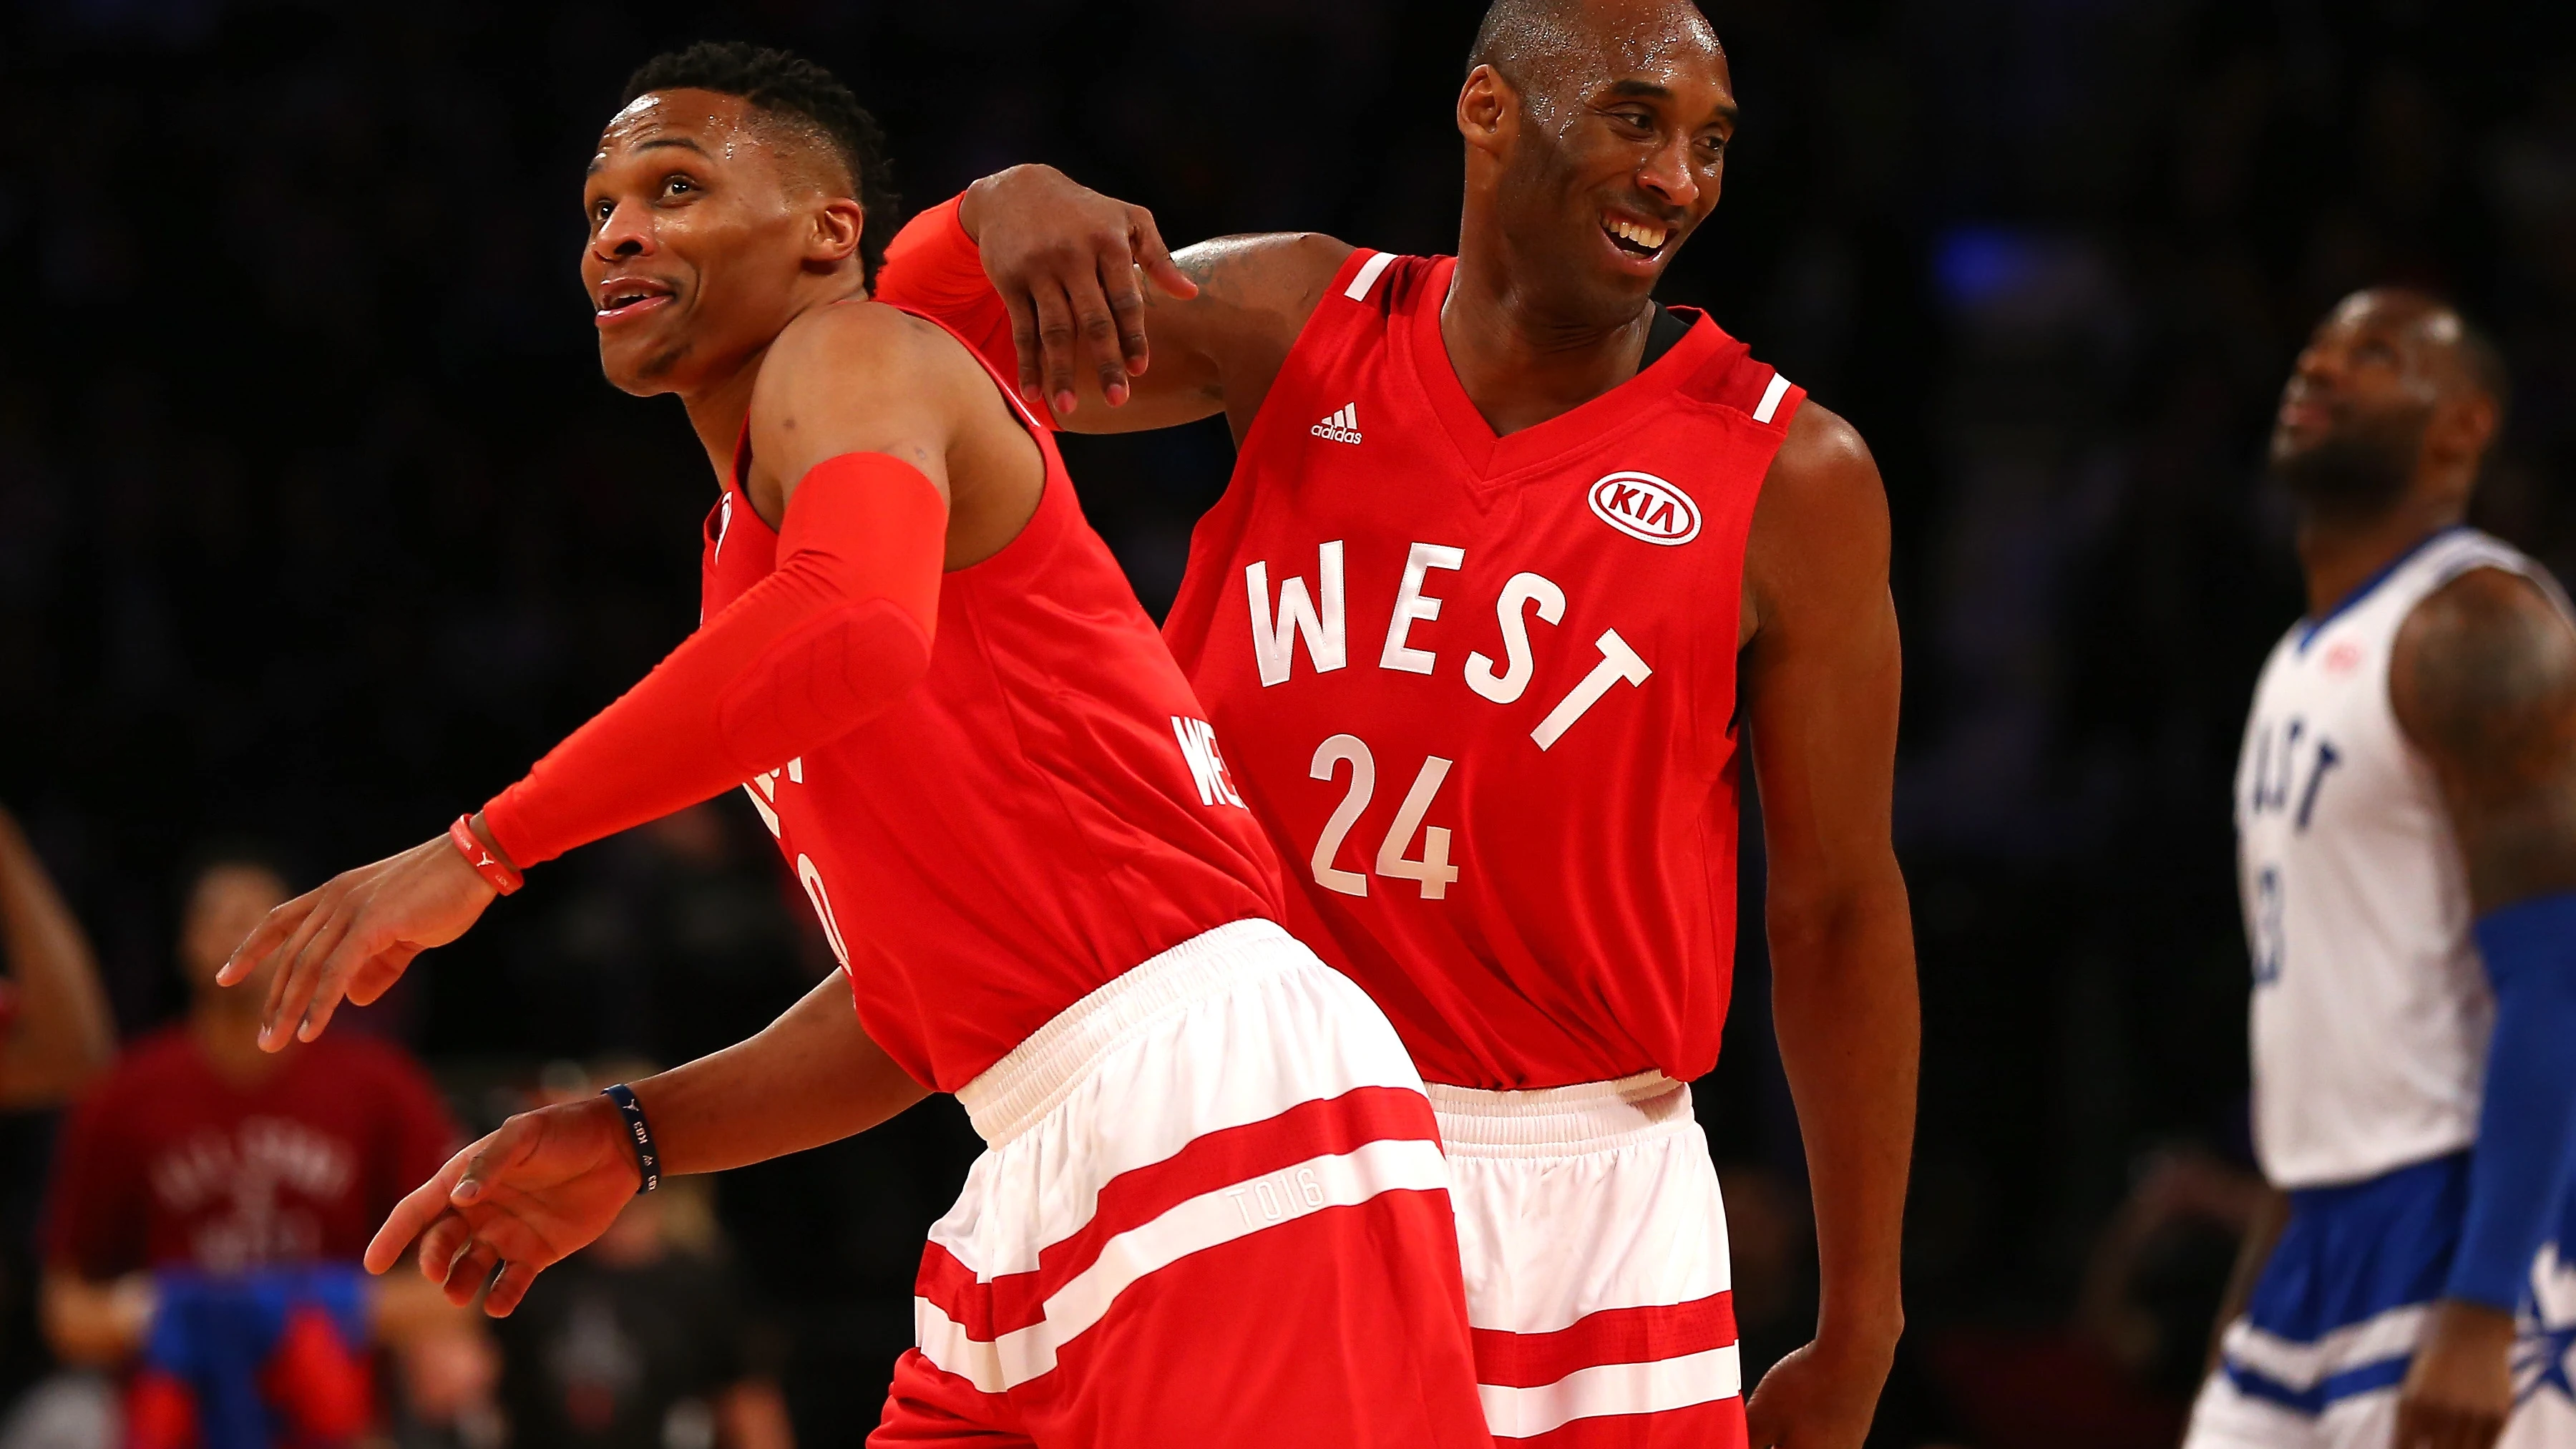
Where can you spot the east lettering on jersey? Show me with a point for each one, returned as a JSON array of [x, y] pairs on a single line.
[[2356, 903]]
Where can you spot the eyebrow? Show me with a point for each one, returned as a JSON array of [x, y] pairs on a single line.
[[1650, 91], [599, 163]]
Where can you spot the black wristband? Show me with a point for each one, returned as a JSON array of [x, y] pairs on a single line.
[[648, 1161]]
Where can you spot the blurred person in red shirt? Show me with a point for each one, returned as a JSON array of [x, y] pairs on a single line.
[[211, 1201]]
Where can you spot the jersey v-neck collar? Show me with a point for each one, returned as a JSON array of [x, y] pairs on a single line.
[[2370, 586], [1491, 457]]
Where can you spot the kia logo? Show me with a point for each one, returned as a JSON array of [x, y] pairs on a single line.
[[1644, 506]]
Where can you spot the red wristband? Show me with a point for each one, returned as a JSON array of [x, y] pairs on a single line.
[[495, 871]]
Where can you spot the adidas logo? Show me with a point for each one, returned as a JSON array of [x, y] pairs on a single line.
[[1341, 427]]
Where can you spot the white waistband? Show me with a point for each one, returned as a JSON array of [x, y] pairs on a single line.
[[1009, 1096], [1560, 1121]]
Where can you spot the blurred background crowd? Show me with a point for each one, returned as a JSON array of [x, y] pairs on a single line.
[[317, 524]]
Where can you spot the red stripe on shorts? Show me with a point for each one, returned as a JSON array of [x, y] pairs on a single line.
[[1220, 1159], [1613, 1335]]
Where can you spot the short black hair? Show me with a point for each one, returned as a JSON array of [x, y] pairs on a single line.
[[1517, 34], [784, 84], [2484, 362]]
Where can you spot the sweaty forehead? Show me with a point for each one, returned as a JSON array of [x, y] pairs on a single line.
[[690, 120], [1583, 44], [1646, 35], [2424, 327]]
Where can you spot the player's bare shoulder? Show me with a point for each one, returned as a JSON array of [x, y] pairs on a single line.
[[1267, 282], [1820, 525], [2483, 679], [1255, 294], [859, 376], [865, 345], [882, 369]]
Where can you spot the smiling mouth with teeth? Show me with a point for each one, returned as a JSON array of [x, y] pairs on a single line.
[[1637, 239]]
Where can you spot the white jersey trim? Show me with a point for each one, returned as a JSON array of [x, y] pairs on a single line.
[[1771, 396], [1370, 271]]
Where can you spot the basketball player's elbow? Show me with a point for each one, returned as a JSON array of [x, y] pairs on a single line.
[[1840, 921], [822, 681]]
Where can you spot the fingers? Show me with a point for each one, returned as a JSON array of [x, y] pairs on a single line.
[[461, 1260], [1024, 343], [318, 908], [470, 1270], [418, 1209], [1762, 1429], [507, 1147], [2433, 1426], [261, 943], [442, 1244], [311, 981], [329, 992], [281, 983], [1123, 351], [379, 973], [2474, 1431], [1156, 259], [1055, 344], [508, 1289]]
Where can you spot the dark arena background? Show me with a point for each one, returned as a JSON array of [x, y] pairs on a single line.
[[317, 523]]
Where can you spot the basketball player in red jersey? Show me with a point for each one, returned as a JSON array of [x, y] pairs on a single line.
[[1213, 1208], [1509, 554]]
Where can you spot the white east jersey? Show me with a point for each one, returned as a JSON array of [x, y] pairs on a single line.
[[2371, 1008]]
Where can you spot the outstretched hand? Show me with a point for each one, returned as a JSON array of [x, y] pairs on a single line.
[[353, 936], [545, 1185], [1066, 260]]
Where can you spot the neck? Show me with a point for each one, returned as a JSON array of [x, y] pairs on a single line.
[[229, 1036], [720, 401], [718, 410], [1521, 361], [2339, 554]]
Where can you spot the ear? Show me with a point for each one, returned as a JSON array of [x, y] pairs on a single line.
[[835, 236], [1485, 105], [2464, 426]]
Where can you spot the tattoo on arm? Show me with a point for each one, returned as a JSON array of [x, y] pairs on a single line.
[[2484, 682], [1255, 294]]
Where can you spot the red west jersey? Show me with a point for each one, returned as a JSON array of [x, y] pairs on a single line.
[[1044, 810], [1482, 691]]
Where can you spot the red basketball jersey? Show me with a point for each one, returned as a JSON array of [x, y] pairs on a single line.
[[1045, 810], [1481, 691]]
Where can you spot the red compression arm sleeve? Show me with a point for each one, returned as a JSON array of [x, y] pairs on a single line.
[[933, 267], [838, 632]]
